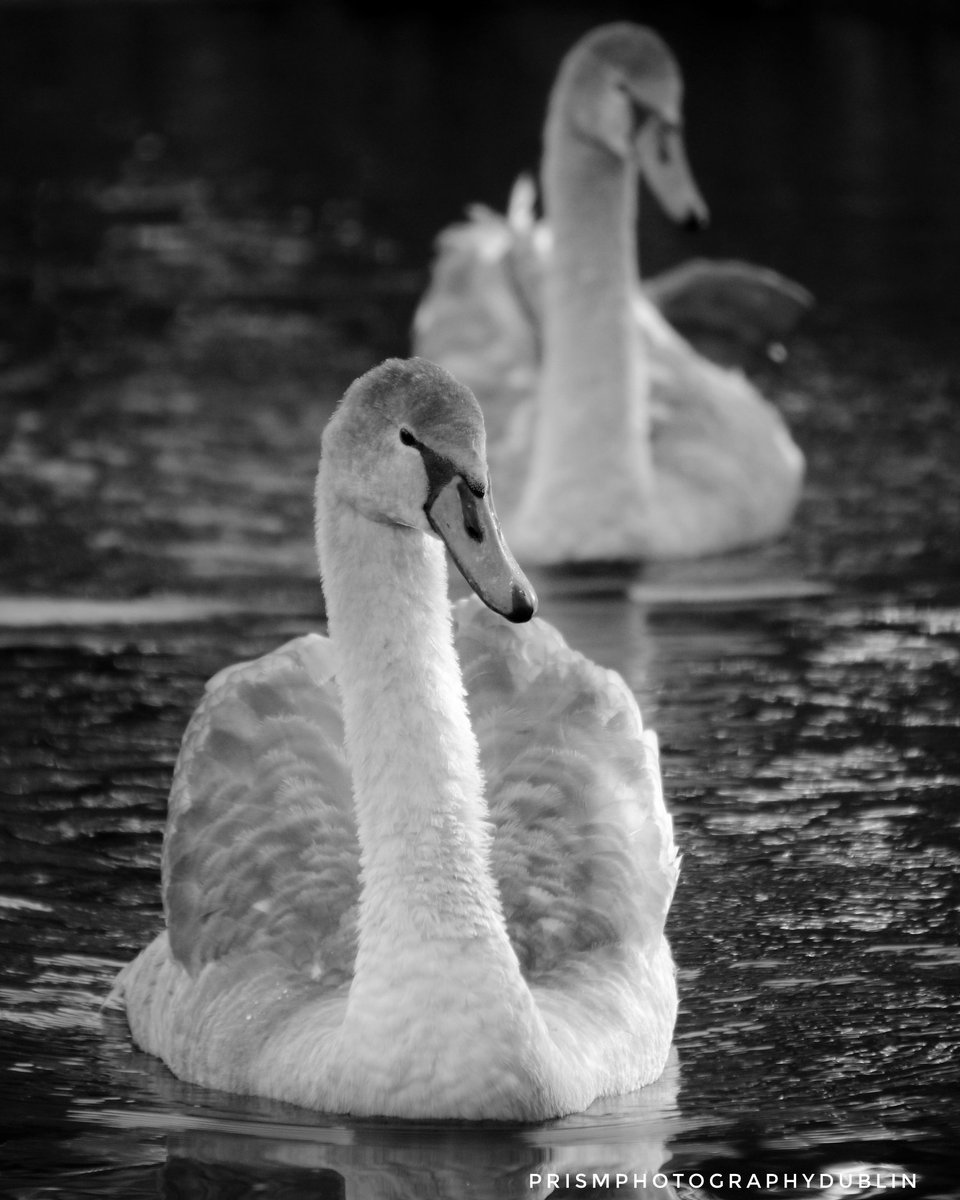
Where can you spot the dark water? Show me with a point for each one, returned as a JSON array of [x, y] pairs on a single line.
[[215, 216]]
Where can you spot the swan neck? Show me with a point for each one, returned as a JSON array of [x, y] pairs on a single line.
[[418, 788], [591, 198], [591, 470], [590, 195]]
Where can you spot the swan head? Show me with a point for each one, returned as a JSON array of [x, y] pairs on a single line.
[[623, 89], [407, 447]]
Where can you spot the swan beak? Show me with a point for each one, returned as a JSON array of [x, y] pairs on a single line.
[[663, 164], [468, 525]]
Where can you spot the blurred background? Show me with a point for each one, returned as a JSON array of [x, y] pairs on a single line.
[[212, 217], [249, 192]]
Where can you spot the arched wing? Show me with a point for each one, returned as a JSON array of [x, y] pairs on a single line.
[[583, 848], [261, 849], [480, 316], [745, 303]]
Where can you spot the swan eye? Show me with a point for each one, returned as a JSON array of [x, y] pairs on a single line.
[[407, 437]]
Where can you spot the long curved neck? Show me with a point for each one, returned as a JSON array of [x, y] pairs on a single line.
[[593, 419], [418, 788], [594, 374], [427, 889]]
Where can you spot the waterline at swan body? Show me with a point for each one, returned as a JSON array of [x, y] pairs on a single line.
[[611, 436], [420, 868]]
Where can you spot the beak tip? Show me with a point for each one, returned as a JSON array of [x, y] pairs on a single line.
[[524, 604], [696, 220]]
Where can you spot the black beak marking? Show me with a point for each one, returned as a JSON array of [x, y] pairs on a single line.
[[440, 472], [468, 503], [523, 607]]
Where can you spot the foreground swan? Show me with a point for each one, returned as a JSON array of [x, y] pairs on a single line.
[[373, 905], [614, 438]]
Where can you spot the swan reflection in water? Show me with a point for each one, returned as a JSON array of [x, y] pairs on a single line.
[[273, 1146]]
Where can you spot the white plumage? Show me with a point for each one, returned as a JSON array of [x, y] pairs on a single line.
[[611, 437], [378, 900]]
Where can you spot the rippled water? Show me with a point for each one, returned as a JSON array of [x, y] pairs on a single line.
[[157, 526], [811, 754]]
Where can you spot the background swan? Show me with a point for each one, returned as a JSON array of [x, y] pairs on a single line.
[[355, 920], [610, 436], [482, 313]]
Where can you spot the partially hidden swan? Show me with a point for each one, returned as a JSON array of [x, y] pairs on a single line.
[[420, 868], [611, 437]]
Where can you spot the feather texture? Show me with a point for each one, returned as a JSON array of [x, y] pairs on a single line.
[[261, 848], [421, 867], [583, 850], [262, 859], [261, 851]]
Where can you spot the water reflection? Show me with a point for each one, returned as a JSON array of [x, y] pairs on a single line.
[[380, 1159], [184, 1140]]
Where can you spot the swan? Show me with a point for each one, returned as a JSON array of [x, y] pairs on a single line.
[[611, 437], [482, 310], [421, 867]]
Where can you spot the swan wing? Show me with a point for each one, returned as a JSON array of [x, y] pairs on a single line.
[[480, 316], [583, 847], [728, 298], [261, 850], [728, 472]]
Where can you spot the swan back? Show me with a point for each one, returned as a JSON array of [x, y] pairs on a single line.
[[261, 850], [583, 851], [584, 854]]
